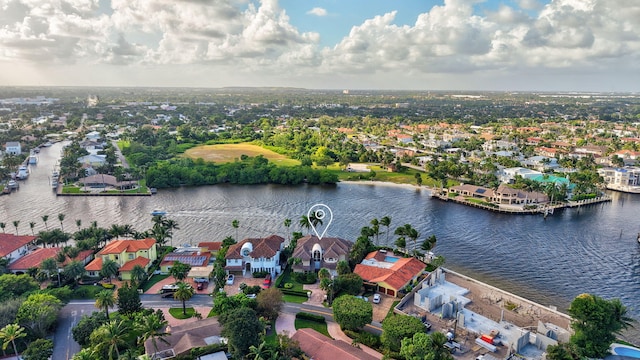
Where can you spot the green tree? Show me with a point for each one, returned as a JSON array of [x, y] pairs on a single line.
[[112, 336], [2, 226], [38, 313], [596, 322], [15, 225], [183, 293], [45, 218], [109, 269], [74, 270], [324, 273], [13, 286], [179, 270], [61, 219], [39, 349], [287, 224], [343, 267], [242, 328], [104, 300], [269, 303], [349, 283], [236, 225], [429, 243], [352, 313], [128, 300], [9, 334], [397, 327], [138, 275], [562, 351], [88, 323], [152, 327]]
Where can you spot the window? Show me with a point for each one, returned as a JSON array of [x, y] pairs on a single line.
[[245, 252], [316, 255], [130, 256]]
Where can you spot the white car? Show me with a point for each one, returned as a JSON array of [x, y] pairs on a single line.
[[230, 279], [376, 298]]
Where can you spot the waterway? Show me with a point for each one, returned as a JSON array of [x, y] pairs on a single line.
[[590, 249]]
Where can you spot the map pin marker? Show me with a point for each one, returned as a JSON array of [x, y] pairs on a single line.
[[317, 214]]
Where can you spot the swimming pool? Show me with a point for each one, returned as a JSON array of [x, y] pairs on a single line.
[[624, 350], [390, 259]]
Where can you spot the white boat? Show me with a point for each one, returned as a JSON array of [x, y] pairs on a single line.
[[54, 184], [47, 144], [12, 184], [23, 172], [157, 212], [33, 159]]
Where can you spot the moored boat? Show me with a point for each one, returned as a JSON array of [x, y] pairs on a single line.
[[157, 212]]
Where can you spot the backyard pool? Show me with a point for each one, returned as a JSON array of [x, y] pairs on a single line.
[[390, 259], [624, 350]]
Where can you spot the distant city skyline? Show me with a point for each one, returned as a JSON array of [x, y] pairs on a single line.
[[504, 45]]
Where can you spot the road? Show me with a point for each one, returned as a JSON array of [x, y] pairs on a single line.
[[64, 346]]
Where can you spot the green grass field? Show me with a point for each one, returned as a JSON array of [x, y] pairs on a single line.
[[319, 327], [224, 153]]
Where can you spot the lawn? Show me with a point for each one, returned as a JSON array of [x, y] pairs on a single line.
[[319, 327], [177, 313], [287, 279], [153, 280], [294, 298], [224, 153]]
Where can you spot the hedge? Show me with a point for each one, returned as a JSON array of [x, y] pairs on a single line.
[[310, 316], [365, 338], [294, 292]]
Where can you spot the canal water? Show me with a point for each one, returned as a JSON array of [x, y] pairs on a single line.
[[590, 249]]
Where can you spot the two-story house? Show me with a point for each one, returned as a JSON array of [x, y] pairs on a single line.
[[13, 148], [316, 253], [127, 254], [13, 247], [262, 254]]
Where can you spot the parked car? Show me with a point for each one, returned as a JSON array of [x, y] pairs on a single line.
[[230, 279], [376, 298], [200, 286], [169, 288], [267, 281]]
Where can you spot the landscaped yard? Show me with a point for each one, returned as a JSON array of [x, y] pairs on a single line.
[[153, 280], [224, 153], [177, 313], [317, 326]]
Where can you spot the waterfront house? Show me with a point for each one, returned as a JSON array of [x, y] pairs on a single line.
[[13, 148], [36, 257], [316, 253], [211, 247], [389, 272], [13, 247], [93, 160], [255, 254], [473, 191], [622, 179], [508, 175], [506, 195], [321, 347], [127, 254], [103, 181]]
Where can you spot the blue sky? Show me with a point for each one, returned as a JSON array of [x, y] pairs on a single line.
[[574, 45]]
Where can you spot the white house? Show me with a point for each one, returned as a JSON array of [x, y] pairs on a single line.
[[13, 147], [13, 247], [255, 255], [508, 175], [93, 160]]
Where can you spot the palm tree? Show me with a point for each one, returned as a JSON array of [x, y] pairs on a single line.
[[10, 334], [375, 226], [114, 334], [50, 266], [287, 224], [304, 222], [152, 327], [61, 218], [109, 269], [15, 224], [116, 231], [138, 273], [261, 352], [45, 218], [2, 226], [78, 223], [236, 225], [429, 243], [183, 293], [104, 300], [386, 221], [32, 225], [74, 270]]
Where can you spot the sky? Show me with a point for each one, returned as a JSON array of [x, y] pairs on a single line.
[[504, 45]]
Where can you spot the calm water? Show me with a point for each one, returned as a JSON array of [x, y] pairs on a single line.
[[591, 249]]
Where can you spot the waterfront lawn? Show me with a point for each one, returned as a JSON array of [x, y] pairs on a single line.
[[405, 177], [72, 189], [225, 153], [317, 326], [177, 313]]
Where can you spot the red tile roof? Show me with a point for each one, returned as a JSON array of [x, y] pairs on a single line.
[[94, 265], [118, 246], [10, 243], [397, 276], [265, 247], [320, 347], [211, 245], [34, 259], [129, 265]]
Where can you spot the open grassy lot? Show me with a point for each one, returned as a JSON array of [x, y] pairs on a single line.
[[224, 153]]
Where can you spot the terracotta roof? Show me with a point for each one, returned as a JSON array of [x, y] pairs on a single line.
[[118, 246], [320, 347], [332, 247], [10, 243], [262, 247], [211, 245], [94, 265], [128, 266], [397, 276], [34, 259]]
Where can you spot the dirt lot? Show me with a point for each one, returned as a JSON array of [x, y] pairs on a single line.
[[223, 153]]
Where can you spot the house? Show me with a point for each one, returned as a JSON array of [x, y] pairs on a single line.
[[210, 246], [191, 258], [261, 254], [127, 254], [13, 148], [93, 160], [389, 272], [36, 257], [13, 247], [183, 338], [473, 191], [102, 181], [622, 179], [508, 175], [506, 195], [318, 253], [321, 347]]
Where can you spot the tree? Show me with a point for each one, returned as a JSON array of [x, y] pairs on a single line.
[[13, 286], [9, 334], [128, 300], [386, 222], [50, 266], [375, 227], [596, 322], [179, 270], [104, 300], [269, 303], [397, 327], [236, 225], [2, 226], [429, 243], [242, 328], [351, 312], [113, 336], [45, 218], [39, 349], [38, 313], [152, 327], [349, 283], [261, 352], [78, 223], [183, 293], [87, 324], [418, 177], [109, 269], [287, 224], [61, 219], [343, 267], [74, 270], [324, 273], [562, 351], [32, 224], [138, 274], [15, 225]]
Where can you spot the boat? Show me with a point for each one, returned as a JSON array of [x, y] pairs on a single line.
[[639, 237], [12, 184], [23, 172], [157, 212], [54, 183], [33, 159], [47, 144], [153, 191]]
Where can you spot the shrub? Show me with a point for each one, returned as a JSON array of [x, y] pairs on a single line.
[[260, 274], [294, 292], [310, 316], [288, 285], [304, 278], [108, 286]]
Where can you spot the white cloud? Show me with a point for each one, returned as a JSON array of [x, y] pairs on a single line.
[[317, 11]]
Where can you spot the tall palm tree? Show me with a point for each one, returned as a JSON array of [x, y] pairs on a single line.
[[375, 226], [78, 223], [45, 218], [114, 334], [2, 226], [50, 266], [104, 300], [183, 293], [261, 352], [116, 231], [287, 224], [15, 224], [32, 224], [138, 273], [152, 327], [109, 269], [236, 225], [386, 221], [10, 334], [304, 222], [74, 270], [61, 219]]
